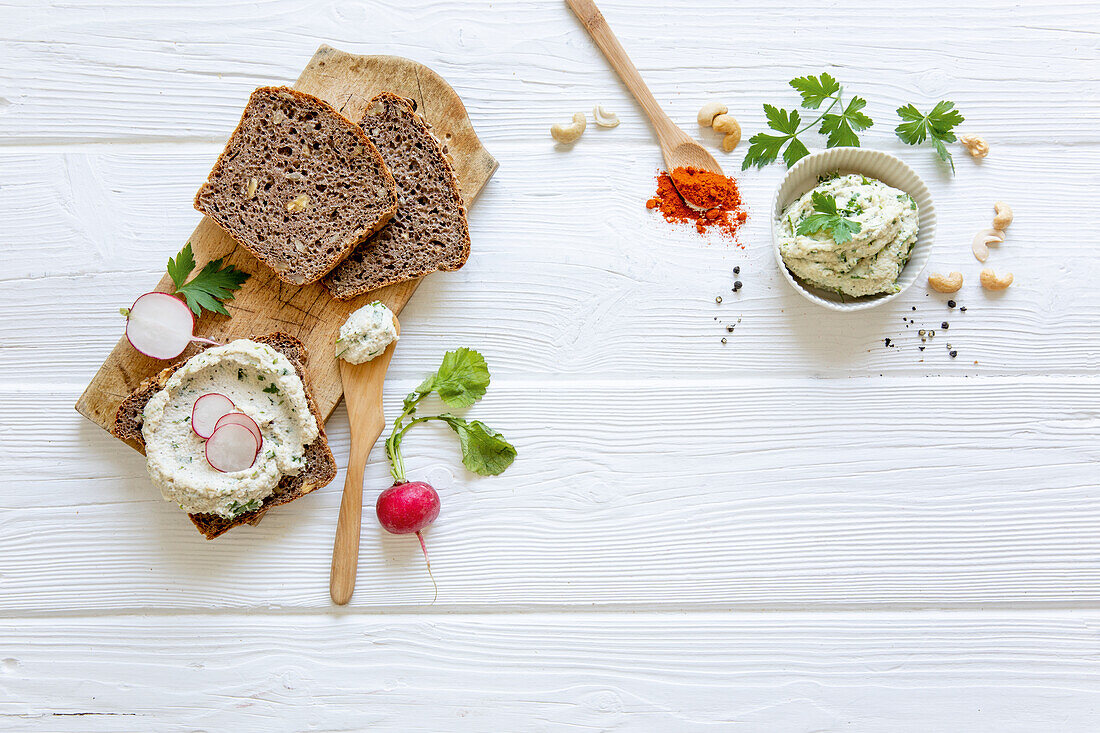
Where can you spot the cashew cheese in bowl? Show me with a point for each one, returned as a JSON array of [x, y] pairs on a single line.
[[853, 228], [851, 234], [366, 333], [261, 383]]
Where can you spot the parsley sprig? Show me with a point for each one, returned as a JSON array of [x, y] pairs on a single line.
[[830, 219], [214, 284], [840, 127], [936, 126], [461, 380]]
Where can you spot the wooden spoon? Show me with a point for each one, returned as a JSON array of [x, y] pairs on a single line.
[[678, 148], [363, 396]]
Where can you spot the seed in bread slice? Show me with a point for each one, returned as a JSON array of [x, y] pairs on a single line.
[[429, 230], [298, 185], [320, 466]]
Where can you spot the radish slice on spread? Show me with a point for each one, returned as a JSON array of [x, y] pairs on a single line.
[[239, 418], [232, 448], [161, 325], [207, 411]]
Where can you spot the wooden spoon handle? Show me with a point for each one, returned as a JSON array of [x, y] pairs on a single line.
[[593, 21], [363, 397], [345, 549]]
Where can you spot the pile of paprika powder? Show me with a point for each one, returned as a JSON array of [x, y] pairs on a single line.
[[717, 196]]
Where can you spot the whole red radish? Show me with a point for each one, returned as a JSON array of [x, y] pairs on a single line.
[[409, 508]]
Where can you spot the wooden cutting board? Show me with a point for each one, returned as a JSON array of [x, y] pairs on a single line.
[[309, 313]]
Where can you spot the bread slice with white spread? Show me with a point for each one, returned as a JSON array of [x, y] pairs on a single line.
[[318, 467], [429, 230], [298, 185]]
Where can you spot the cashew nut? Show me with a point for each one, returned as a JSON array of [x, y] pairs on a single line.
[[982, 239], [976, 146], [725, 123], [949, 283], [991, 281], [1003, 217], [603, 118], [569, 133], [730, 141], [709, 111]]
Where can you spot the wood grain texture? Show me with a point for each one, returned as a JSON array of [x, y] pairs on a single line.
[[919, 537], [703, 494], [677, 147], [907, 672], [265, 304], [594, 292], [1031, 59]]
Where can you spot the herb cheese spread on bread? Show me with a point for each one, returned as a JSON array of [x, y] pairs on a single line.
[[264, 385]]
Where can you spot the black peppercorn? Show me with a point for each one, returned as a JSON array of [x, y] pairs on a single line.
[[954, 354], [737, 270], [723, 340], [736, 285], [950, 304], [963, 309], [945, 325]]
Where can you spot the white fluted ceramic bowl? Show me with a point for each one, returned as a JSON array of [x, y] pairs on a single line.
[[873, 164]]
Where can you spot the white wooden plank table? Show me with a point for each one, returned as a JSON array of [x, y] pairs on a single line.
[[799, 530]]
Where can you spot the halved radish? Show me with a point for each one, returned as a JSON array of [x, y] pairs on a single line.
[[207, 410], [161, 325], [232, 448], [241, 419]]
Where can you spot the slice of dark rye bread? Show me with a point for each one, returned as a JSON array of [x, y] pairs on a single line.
[[429, 230], [320, 466], [298, 185]]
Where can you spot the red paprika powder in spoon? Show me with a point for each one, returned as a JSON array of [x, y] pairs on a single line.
[[717, 196]]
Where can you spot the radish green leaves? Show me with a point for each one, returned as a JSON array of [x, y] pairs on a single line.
[[460, 381]]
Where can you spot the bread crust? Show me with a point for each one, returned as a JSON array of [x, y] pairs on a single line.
[[320, 468], [342, 291], [223, 162]]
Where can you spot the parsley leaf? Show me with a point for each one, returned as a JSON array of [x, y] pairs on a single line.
[[840, 128], [272, 388], [461, 380], [484, 451], [829, 219], [937, 126], [764, 148], [182, 266], [815, 90], [214, 284]]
